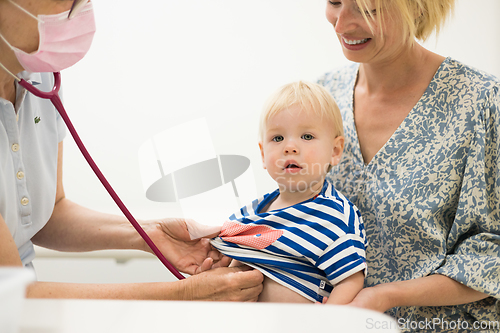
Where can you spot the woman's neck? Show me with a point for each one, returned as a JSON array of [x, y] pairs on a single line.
[[410, 66]]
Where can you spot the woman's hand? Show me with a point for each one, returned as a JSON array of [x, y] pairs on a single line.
[[238, 284], [372, 298], [171, 236]]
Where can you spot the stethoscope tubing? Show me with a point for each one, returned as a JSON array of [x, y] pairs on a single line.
[[53, 96]]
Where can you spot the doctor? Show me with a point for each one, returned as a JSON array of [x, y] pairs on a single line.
[[46, 36]]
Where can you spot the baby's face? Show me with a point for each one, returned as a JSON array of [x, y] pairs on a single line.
[[297, 149]]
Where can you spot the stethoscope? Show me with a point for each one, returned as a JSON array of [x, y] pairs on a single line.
[[53, 96]]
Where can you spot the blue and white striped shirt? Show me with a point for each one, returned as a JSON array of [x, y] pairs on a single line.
[[307, 247]]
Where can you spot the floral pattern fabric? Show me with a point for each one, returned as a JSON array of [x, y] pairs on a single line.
[[430, 198]]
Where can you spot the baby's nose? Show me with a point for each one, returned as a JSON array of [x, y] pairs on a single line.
[[291, 149]]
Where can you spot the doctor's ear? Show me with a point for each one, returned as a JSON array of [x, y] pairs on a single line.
[[261, 147]]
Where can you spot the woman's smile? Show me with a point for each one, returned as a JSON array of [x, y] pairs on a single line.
[[355, 44]]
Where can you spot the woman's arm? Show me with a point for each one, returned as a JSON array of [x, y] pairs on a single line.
[[433, 290]]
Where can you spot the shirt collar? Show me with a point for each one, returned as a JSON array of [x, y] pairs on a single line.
[[33, 78]]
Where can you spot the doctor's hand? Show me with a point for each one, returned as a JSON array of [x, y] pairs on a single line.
[[172, 238], [238, 284]]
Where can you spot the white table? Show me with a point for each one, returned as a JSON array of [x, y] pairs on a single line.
[[92, 316]]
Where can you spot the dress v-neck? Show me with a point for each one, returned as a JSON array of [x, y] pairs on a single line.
[[429, 198], [402, 127]]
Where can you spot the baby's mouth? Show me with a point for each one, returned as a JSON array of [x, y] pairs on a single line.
[[292, 167]]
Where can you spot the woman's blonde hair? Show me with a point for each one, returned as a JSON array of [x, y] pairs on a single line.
[[311, 98], [420, 18]]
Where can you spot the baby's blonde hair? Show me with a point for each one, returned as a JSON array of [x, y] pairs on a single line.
[[311, 97], [420, 18]]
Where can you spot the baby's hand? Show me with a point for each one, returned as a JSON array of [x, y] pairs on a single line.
[[235, 263], [325, 299]]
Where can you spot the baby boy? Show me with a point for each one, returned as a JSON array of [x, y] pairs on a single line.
[[305, 237]]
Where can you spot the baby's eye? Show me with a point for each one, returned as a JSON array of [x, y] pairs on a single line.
[[278, 138], [307, 137]]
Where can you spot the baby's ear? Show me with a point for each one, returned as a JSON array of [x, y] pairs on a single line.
[[337, 149], [261, 147]]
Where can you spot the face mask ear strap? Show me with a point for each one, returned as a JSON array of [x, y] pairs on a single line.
[[24, 10], [9, 72], [2, 66]]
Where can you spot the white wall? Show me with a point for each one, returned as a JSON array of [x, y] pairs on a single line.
[[158, 65]]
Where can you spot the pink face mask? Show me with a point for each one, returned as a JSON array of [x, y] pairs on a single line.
[[63, 41]]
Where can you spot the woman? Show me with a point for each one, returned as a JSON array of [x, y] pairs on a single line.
[[33, 207], [421, 164]]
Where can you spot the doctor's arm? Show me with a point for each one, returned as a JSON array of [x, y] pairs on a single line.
[[223, 284], [9, 256], [75, 228]]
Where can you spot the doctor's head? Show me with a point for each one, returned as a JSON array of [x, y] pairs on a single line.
[[301, 135], [44, 35]]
